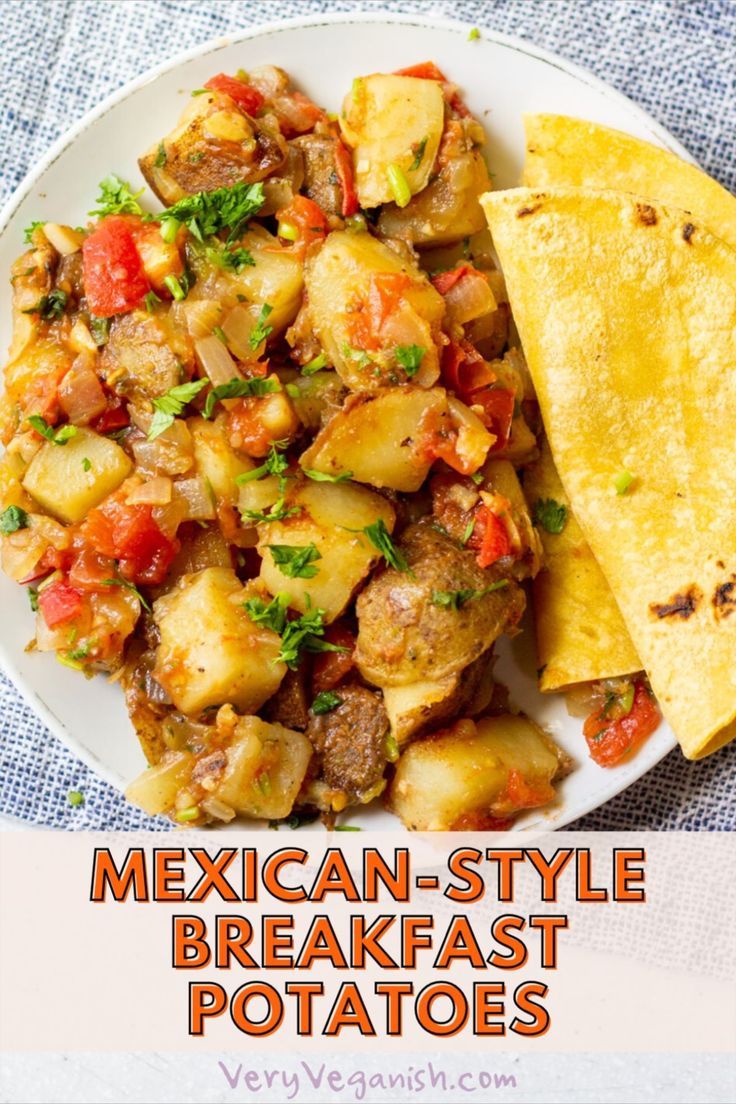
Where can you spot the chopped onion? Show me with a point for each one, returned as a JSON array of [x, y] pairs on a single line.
[[470, 298], [217, 809], [21, 552], [169, 517], [154, 492], [215, 361], [195, 494], [201, 316], [63, 238], [237, 328], [170, 454], [80, 392], [473, 439]]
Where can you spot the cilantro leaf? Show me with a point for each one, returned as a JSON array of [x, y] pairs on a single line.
[[551, 515], [324, 477], [271, 614], [100, 329], [274, 464], [456, 599], [230, 257], [116, 198], [12, 519], [207, 213], [410, 358], [58, 436], [380, 538], [50, 306], [418, 150], [28, 232], [278, 511], [169, 406], [160, 156], [298, 635], [237, 389], [325, 702], [128, 586], [296, 561], [260, 331]]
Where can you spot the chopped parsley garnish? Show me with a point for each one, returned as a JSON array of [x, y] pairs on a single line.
[[116, 198], [207, 213], [324, 477], [12, 519], [271, 614], [456, 599], [295, 820], [160, 159], [278, 512], [296, 561], [410, 358], [299, 635], [128, 586], [100, 329], [33, 598], [325, 702], [151, 299], [50, 306], [260, 331], [477, 478], [316, 364], [75, 798], [28, 232], [418, 150], [232, 258], [361, 358], [169, 406], [473, 34], [58, 436], [274, 464], [550, 514], [239, 389], [380, 538], [468, 532], [86, 464]]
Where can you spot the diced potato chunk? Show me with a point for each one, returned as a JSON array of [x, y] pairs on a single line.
[[276, 277], [64, 485], [266, 765], [378, 438], [467, 775], [411, 707], [155, 789], [392, 120], [216, 461], [210, 651], [329, 512], [340, 281]]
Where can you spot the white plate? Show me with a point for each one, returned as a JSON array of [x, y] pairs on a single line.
[[500, 78]]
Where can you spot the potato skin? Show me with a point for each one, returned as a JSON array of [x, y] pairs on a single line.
[[404, 637]]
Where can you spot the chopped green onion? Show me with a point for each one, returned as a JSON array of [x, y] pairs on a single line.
[[622, 482], [316, 364], [188, 814], [391, 747], [399, 185], [288, 231], [347, 828], [177, 291], [169, 229], [626, 701], [75, 797], [150, 299], [473, 34]]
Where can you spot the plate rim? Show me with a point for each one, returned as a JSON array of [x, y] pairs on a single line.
[[661, 135]]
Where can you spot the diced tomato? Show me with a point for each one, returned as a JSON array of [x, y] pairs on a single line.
[[114, 418], [42, 395], [307, 217], [59, 603], [425, 70], [490, 537], [246, 428], [114, 279], [443, 281], [610, 741], [330, 668], [89, 569], [364, 325], [498, 413], [245, 95], [482, 822], [130, 535], [344, 170], [520, 794], [464, 370]]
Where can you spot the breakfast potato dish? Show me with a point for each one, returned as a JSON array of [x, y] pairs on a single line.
[[261, 454]]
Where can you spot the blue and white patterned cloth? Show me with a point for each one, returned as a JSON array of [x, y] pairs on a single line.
[[61, 57]]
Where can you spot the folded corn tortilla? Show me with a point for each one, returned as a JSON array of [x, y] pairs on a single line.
[[563, 151], [627, 315], [581, 635]]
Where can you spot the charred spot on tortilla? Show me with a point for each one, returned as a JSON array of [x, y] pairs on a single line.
[[524, 211], [680, 605], [724, 598], [687, 231], [646, 214]]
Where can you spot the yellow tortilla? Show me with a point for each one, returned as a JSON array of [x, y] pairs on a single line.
[[581, 635], [562, 151], [627, 315]]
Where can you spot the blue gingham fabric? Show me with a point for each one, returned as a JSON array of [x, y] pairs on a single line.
[[61, 57]]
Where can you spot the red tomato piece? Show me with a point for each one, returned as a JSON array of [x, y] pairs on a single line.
[[307, 217], [344, 170], [425, 70], [498, 413], [89, 569], [130, 535], [443, 281], [464, 370], [330, 668], [490, 537], [245, 95], [112, 419], [611, 741], [59, 603], [114, 279]]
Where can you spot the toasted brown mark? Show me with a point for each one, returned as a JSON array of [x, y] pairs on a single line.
[[680, 605], [687, 231], [524, 211], [724, 598], [646, 214]]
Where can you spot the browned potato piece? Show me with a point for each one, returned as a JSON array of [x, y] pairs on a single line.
[[473, 774], [376, 436], [408, 633], [214, 145], [265, 768], [413, 708], [341, 286]]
